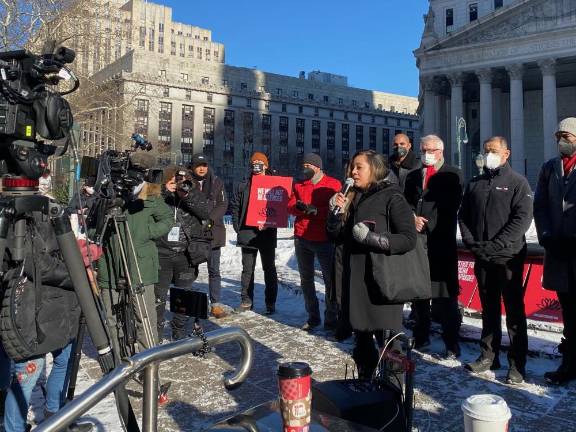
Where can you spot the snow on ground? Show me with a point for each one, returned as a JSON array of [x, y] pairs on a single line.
[[198, 399]]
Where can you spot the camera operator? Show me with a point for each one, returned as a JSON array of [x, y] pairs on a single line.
[[148, 218], [186, 245], [43, 317]]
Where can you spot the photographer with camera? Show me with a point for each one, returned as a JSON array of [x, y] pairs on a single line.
[[184, 247], [40, 315], [147, 218]]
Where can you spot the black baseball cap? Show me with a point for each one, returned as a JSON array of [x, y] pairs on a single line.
[[199, 159]]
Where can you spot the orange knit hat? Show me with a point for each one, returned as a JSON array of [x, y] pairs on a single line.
[[261, 157]]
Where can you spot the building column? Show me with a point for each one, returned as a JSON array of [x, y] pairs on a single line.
[[486, 127], [549, 107], [497, 111], [456, 111], [429, 106], [516, 73]]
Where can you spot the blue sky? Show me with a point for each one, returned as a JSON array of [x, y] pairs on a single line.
[[369, 41]]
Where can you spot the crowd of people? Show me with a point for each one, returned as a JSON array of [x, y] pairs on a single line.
[[394, 204]]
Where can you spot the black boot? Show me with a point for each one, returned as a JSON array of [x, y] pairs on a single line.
[[567, 370], [366, 361]]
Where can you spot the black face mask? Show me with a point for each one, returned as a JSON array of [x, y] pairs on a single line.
[[307, 173], [257, 168], [400, 151]]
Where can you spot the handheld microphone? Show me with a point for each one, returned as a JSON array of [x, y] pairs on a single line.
[[348, 184]]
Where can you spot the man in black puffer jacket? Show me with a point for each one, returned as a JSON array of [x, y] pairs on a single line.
[[496, 212], [212, 187], [186, 245]]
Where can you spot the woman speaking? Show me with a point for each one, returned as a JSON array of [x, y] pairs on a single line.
[[374, 219]]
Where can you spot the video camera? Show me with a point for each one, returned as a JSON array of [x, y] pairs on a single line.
[[118, 173], [28, 108]]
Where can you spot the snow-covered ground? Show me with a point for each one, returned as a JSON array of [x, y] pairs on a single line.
[[440, 385]]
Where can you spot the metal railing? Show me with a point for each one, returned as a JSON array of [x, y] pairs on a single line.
[[149, 361]]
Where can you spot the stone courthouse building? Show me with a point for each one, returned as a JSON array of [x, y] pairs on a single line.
[[507, 67]]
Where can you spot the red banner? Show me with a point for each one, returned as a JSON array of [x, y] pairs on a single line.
[[268, 202], [540, 304]]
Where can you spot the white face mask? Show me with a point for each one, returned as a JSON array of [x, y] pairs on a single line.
[[89, 190], [492, 161], [137, 189], [428, 159]]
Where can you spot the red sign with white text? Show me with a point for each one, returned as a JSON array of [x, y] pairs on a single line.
[[268, 202], [540, 304]]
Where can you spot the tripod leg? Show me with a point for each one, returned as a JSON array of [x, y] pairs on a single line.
[[4, 223], [76, 356]]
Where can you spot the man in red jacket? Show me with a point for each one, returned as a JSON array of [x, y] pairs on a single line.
[[309, 203]]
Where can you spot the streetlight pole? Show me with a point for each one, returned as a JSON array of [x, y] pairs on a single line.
[[460, 139]]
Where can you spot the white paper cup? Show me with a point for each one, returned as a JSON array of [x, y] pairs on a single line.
[[486, 413]]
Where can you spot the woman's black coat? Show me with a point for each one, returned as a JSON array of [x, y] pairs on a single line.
[[367, 311]]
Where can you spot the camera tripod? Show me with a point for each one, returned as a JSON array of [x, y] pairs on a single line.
[[18, 201]]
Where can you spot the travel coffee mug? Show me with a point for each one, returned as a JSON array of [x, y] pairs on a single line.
[[294, 383]]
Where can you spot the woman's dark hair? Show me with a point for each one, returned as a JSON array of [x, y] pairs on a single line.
[[378, 165]]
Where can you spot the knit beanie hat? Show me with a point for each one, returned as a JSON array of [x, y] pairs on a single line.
[[313, 159], [568, 125], [261, 157]]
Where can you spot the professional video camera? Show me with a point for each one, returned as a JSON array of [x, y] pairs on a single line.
[[29, 108], [119, 173]]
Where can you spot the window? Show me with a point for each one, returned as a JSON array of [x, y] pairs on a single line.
[[345, 142], [373, 119], [209, 97], [205, 38], [248, 127], [283, 107], [199, 52], [266, 133], [279, 91], [216, 55], [300, 130], [184, 76], [142, 38], [354, 103], [162, 73], [367, 105], [359, 137], [249, 103], [243, 86], [316, 112], [173, 48], [315, 135], [473, 11], [262, 89], [165, 125], [498, 4], [326, 99], [161, 27], [380, 107], [225, 82], [187, 140], [208, 134], [386, 141], [331, 114], [207, 54], [372, 138], [205, 80], [141, 117], [449, 20], [166, 92], [345, 116], [160, 44], [188, 94], [359, 117], [230, 100], [151, 40], [229, 134], [331, 143], [340, 101], [295, 93], [267, 105], [310, 96], [283, 134], [300, 109]]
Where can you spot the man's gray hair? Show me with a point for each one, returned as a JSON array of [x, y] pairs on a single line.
[[433, 139]]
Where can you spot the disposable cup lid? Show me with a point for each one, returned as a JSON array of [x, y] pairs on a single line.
[[294, 370], [487, 407]]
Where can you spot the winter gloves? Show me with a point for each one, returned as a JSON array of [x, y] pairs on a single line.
[[307, 209], [362, 234]]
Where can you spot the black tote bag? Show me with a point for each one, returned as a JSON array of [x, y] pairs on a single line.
[[402, 278]]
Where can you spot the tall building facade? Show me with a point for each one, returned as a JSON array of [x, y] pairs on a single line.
[[506, 67], [186, 105]]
